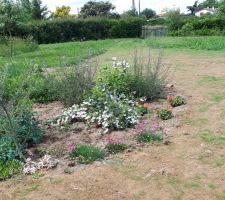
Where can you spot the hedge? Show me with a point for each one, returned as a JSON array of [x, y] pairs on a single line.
[[54, 31]]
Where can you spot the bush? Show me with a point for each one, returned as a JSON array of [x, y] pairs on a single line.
[[16, 119], [116, 148], [7, 149], [165, 114], [62, 30], [87, 154], [9, 168]]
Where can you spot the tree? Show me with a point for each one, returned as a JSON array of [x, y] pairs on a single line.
[[38, 11], [9, 15], [130, 13], [93, 8], [221, 7], [148, 13], [175, 20], [62, 12], [209, 4], [193, 9]]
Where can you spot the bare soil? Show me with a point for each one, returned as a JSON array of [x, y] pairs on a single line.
[[191, 167]]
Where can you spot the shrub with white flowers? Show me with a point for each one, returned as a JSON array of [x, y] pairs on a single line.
[[110, 104]]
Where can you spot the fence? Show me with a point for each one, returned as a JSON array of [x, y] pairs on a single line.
[[154, 31]]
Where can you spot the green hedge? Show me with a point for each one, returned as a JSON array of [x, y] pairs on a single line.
[[52, 31], [204, 26]]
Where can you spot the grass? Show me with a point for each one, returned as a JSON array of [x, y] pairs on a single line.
[[215, 43], [208, 137]]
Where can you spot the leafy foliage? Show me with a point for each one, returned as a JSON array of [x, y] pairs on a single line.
[[176, 101], [100, 9], [148, 13], [9, 168], [16, 118], [148, 138], [87, 154], [165, 114]]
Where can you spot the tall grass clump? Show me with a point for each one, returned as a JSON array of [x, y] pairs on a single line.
[[148, 76], [70, 85], [10, 46]]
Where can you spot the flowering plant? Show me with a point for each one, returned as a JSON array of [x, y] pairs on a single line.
[[176, 101], [148, 134], [165, 114]]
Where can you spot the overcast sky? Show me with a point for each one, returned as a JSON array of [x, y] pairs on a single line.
[[122, 5]]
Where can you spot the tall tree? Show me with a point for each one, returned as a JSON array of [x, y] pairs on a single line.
[[38, 11], [62, 12], [130, 13], [148, 13], [93, 8], [193, 9], [209, 4], [222, 7]]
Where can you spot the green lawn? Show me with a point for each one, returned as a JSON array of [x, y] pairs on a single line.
[[61, 54]]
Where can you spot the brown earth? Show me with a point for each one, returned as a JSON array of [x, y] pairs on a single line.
[[191, 167]]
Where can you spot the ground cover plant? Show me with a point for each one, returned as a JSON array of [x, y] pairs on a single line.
[[176, 101], [165, 114], [150, 134], [87, 154]]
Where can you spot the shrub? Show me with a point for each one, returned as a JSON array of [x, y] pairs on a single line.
[[176, 101], [116, 148], [17, 119], [148, 137], [165, 114], [87, 154], [7, 149], [62, 30], [9, 168]]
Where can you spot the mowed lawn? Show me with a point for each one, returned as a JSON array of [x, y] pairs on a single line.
[[191, 167]]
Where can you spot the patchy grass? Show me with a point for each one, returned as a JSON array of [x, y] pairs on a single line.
[[207, 136], [215, 43], [211, 80]]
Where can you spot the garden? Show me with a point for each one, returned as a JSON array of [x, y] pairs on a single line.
[[83, 112]]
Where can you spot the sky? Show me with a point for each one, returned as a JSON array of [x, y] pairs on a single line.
[[122, 5]]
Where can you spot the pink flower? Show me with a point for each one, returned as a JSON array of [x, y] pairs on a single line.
[[140, 128], [169, 98], [70, 147], [169, 107]]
